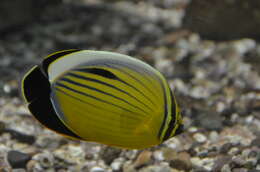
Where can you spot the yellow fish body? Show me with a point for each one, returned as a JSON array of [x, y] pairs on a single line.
[[102, 97]]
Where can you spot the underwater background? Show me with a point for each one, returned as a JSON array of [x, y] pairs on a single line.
[[208, 51]]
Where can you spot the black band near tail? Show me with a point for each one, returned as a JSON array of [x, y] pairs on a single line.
[[36, 88]]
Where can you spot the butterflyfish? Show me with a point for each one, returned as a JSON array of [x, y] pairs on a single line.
[[102, 97]]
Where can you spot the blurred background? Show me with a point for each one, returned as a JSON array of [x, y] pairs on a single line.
[[208, 50]]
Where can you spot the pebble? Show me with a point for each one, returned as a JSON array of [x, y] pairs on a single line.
[[239, 170], [238, 161], [19, 170], [206, 163], [2, 127], [70, 153], [174, 143], [256, 142], [44, 159], [169, 153], [165, 66], [255, 170], [216, 121], [117, 164], [244, 45], [97, 169], [234, 151], [181, 161], [158, 155], [21, 137], [237, 135], [213, 136], [17, 159], [129, 167], [220, 162], [200, 137], [108, 154], [226, 168], [48, 141], [225, 148], [143, 159], [156, 168]]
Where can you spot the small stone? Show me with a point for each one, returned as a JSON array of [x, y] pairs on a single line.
[[213, 136], [225, 148], [203, 154], [245, 152], [193, 129], [45, 159], [181, 162], [48, 141], [156, 168], [21, 137], [18, 159], [206, 163], [239, 170], [220, 162], [237, 135], [117, 164], [256, 142], [30, 165], [158, 155], [128, 167], [226, 168], [2, 127], [169, 154], [244, 45], [97, 169], [216, 121], [234, 151], [238, 161], [108, 154], [174, 144], [70, 153], [143, 158], [200, 137], [19, 170], [165, 66]]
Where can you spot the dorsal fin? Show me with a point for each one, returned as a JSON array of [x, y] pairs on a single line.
[[52, 57]]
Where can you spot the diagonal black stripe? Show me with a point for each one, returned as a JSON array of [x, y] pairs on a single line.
[[100, 91], [91, 104], [118, 79], [93, 97], [106, 84], [98, 71], [133, 86], [144, 85]]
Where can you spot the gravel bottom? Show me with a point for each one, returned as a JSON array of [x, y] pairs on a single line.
[[217, 85]]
